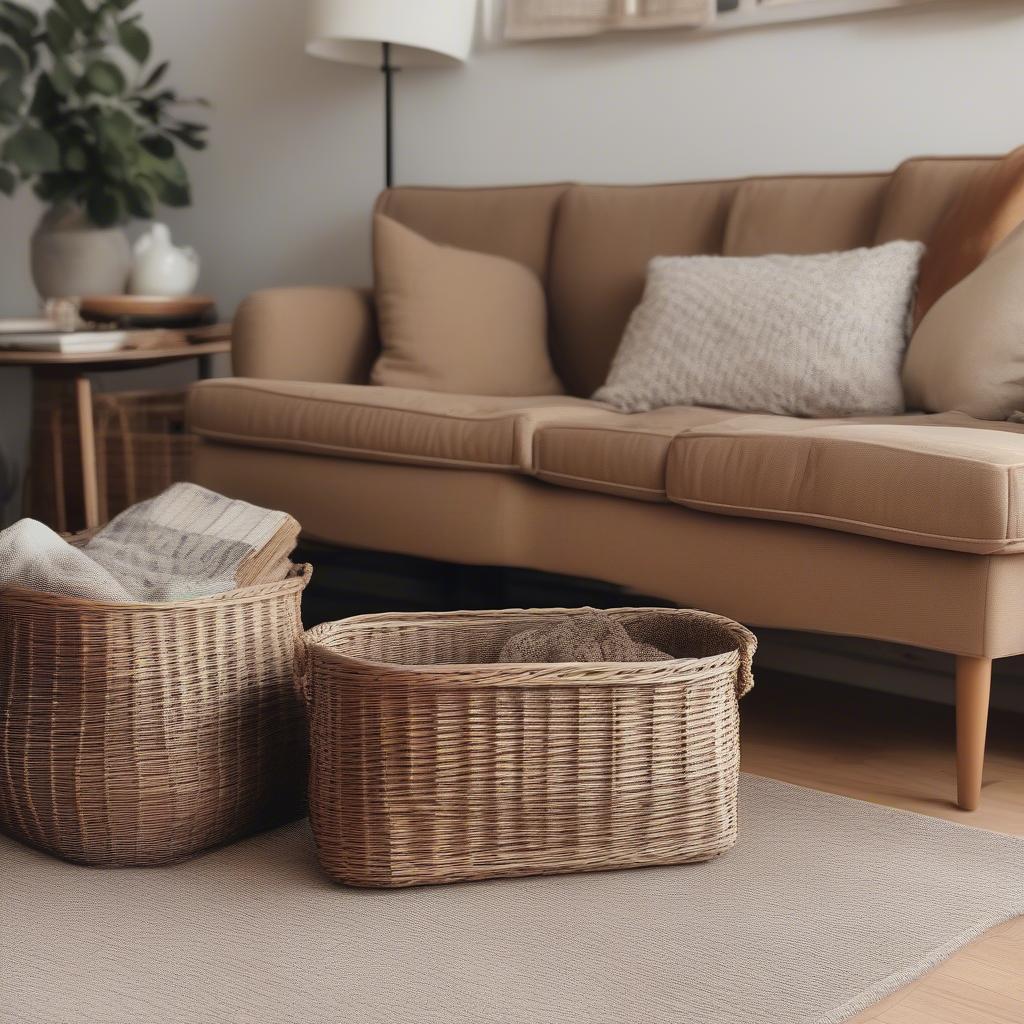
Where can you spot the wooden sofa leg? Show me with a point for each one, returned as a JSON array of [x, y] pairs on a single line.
[[973, 686]]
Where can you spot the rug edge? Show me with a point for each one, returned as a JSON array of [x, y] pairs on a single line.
[[886, 807], [894, 982]]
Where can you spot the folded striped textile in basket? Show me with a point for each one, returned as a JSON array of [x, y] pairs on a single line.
[[187, 542]]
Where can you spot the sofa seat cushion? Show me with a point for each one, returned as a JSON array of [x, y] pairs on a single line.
[[613, 452], [378, 423], [944, 481]]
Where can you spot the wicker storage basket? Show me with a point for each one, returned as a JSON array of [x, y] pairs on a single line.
[[432, 763], [138, 735], [142, 446]]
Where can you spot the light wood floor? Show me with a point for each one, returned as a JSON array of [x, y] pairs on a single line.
[[893, 751]]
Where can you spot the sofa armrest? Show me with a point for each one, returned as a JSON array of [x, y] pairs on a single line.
[[327, 335]]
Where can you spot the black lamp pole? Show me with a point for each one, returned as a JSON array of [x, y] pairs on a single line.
[[389, 73]]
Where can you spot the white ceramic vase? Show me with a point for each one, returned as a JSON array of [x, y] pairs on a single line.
[[72, 257]]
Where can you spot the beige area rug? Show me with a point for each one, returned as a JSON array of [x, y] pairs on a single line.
[[826, 906]]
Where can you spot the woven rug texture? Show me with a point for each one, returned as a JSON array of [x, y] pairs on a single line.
[[825, 906]]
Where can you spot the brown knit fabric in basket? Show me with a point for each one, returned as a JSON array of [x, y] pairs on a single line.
[[141, 734], [432, 761], [592, 636]]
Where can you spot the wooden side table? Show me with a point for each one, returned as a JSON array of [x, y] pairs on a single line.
[[75, 366]]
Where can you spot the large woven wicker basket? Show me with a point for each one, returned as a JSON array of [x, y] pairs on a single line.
[[137, 735], [432, 763]]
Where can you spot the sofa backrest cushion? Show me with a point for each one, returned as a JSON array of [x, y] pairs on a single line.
[[512, 222], [804, 215], [591, 244], [604, 238]]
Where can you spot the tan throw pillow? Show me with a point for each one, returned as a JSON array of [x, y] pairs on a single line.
[[988, 208], [968, 353], [457, 321]]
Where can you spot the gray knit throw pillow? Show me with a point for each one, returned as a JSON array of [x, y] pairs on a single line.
[[800, 335]]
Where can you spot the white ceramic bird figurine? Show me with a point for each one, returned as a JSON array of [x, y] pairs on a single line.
[[160, 267]]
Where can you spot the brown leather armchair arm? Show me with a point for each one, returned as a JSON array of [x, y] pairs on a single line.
[[315, 334]]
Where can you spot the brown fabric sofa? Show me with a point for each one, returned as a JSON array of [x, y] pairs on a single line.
[[908, 529]]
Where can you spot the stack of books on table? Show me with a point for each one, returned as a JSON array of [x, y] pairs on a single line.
[[45, 336]]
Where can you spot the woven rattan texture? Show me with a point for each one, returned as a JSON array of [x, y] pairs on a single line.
[[142, 734], [142, 446], [431, 763]]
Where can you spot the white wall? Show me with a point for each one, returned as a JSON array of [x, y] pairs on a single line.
[[843, 94]]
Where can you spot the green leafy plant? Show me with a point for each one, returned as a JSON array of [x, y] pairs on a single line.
[[85, 117]]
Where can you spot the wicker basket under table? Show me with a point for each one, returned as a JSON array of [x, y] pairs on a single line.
[[140, 734], [432, 763]]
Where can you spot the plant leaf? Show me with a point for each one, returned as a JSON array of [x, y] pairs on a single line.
[[156, 74], [23, 17], [172, 170], [32, 151], [52, 188], [8, 182], [11, 99], [104, 206], [116, 127], [15, 23], [172, 194], [62, 78], [75, 159], [78, 14], [159, 145], [188, 137], [106, 78], [11, 61], [59, 32], [141, 201], [45, 100], [135, 40]]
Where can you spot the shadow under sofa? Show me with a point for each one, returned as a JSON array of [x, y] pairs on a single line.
[[908, 529]]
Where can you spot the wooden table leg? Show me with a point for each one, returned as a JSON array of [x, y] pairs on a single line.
[[60, 494], [87, 440]]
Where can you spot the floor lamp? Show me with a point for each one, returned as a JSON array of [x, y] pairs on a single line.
[[393, 34]]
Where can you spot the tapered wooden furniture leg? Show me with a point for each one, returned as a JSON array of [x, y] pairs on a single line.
[[87, 440], [973, 686]]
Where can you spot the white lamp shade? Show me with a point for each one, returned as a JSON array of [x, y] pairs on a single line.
[[420, 31]]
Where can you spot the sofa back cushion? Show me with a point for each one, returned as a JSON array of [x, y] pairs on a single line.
[[512, 222], [604, 238], [590, 244], [804, 215]]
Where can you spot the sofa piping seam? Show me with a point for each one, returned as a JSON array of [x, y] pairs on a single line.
[[752, 510], [485, 418], [543, 474]]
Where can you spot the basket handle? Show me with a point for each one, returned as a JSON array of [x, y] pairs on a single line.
[[746, 642], [301, 673]]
